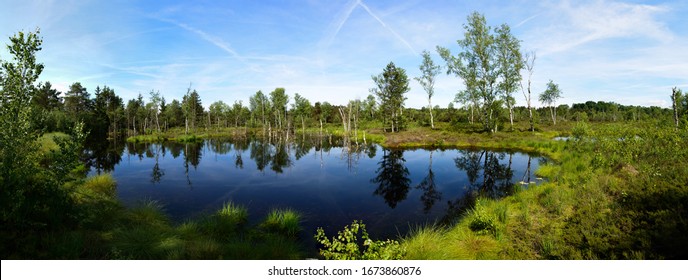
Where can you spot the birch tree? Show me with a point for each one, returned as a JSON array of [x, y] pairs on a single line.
[[429, 71], [549, 97]]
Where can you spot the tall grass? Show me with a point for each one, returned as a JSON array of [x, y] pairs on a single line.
[[284, 221], [103, 184], [225, 223], [614, 192], [146, 233]]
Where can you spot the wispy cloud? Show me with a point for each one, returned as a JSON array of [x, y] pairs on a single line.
[[577, 24]]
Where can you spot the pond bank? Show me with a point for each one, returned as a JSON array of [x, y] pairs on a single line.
[[417, 137]]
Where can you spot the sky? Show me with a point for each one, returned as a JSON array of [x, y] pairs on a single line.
[[628, 52]]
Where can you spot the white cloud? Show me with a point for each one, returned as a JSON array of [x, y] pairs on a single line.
[[572, 24]]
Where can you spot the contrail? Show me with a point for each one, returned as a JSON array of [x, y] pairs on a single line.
[[207, 37], [387, 27], [343, 20], [213, 40], [347, 13], [526, 20]]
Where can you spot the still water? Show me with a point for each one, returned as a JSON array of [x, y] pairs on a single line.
[[330, 184]]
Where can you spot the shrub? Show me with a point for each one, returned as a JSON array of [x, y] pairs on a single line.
[[482, 222], [580, 130], [347, 247]]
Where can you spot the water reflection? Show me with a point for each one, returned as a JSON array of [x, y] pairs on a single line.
[[488, 176], [496, 176], [102, 155], [430, 193], [331, 181], [281, 158], [392, 177], [157, 172]]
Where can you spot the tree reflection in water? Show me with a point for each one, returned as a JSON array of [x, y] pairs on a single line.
[[488, 173], [240, 145], [274, 151], [157, 172], [103, 155], [261, 154], [392, 177], [496, 180], [430, 193], [281, 158]]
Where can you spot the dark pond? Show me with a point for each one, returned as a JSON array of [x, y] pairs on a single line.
[[330, 185]]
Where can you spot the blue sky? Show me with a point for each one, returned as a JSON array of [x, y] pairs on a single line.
[[630, 52]]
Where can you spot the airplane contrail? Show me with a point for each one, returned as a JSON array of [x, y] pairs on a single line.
[[347, 13], [343, 20], [526, 20], [360, 2], [213, 40]]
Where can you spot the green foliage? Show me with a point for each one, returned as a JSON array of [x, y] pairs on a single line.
[[101, 184], [146, 233], [32, 197], [488, 64], [391, 86], [192, 138], [153, 138], [284, 221], [47, 143], [346, 246], [481, 221], [191, 107], [580, 130], [302, 108], [235, 213], [225, 223], [279, 100], [429, 71], [549, 97]]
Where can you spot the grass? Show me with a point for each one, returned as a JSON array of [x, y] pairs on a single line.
[[602, 200], [103, 184], [148, 234], [110, 231], [197, 135], [47, 143], [225, 223], [284, 221]]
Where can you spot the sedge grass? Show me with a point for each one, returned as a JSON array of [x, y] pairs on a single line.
[[103, 184], [285, 221]]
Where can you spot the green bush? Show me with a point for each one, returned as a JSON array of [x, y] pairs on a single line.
[[482, 222], [346, 245], [580, 130]]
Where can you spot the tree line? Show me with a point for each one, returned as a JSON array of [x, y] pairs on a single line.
[[490, 63]]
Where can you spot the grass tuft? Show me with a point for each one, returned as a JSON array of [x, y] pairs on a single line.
[[103, 184], [285, 221], [226, 222]]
